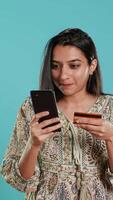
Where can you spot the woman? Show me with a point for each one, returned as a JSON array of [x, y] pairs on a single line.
[[77, 162]]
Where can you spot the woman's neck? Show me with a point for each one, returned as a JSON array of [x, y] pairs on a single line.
[[80, 103]]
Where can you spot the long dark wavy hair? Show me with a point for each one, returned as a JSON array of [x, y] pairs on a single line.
[[80, 39]]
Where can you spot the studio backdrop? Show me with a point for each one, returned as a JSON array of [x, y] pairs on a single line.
[[25, 27]]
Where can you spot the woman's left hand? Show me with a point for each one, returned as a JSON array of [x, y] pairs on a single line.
[[99, 128]]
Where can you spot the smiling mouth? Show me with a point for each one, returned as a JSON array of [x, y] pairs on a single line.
[[65, 85]]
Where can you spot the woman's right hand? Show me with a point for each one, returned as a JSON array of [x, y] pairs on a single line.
[[39, 131]]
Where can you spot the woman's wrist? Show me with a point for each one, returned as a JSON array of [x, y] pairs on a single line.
[[110, 140], [34, 145]]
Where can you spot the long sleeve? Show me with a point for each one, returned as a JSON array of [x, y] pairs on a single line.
[[9, 168]]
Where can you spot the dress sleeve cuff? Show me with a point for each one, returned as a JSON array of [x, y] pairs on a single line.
[[29, 184]]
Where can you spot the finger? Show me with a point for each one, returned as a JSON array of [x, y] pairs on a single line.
[[41, 114], [37, 116], [89, 127], [51, 128], [97, 134], [49, 122]]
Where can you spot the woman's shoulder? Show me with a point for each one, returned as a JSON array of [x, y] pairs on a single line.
[[108, 96], [26, 108], [26, 103], [108, 100]]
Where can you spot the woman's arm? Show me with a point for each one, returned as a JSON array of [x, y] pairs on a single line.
[[28, 160], [39, 132], [20, 167], [9, 168], [100, 129]]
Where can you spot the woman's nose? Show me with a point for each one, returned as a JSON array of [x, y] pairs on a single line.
[[65, 73]]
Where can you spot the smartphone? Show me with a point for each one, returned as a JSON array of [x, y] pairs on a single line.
[[88, 115], [44, 100]]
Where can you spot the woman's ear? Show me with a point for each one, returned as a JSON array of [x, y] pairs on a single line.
[[93, 66]]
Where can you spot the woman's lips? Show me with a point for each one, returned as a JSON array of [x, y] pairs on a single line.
[[66, 85]]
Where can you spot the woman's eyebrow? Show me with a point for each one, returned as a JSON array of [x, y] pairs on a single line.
[[73, 60], [55, 61]]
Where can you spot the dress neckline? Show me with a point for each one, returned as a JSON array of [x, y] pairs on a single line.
[[96, 107]]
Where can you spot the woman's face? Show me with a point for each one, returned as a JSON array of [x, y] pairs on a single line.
[[70, 69]]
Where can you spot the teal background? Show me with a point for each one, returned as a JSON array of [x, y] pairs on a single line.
[[25, 27]]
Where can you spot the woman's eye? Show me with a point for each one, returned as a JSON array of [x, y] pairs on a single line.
[[74, 66], [54, 66]]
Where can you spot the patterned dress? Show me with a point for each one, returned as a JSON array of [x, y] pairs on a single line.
[[72, 165]]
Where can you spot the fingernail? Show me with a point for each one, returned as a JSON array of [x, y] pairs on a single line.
[[47, 112], [76, 121]]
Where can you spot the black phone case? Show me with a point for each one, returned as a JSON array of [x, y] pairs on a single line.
[[44, 100]]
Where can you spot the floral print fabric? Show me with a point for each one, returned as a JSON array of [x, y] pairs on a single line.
[[72, 165]]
